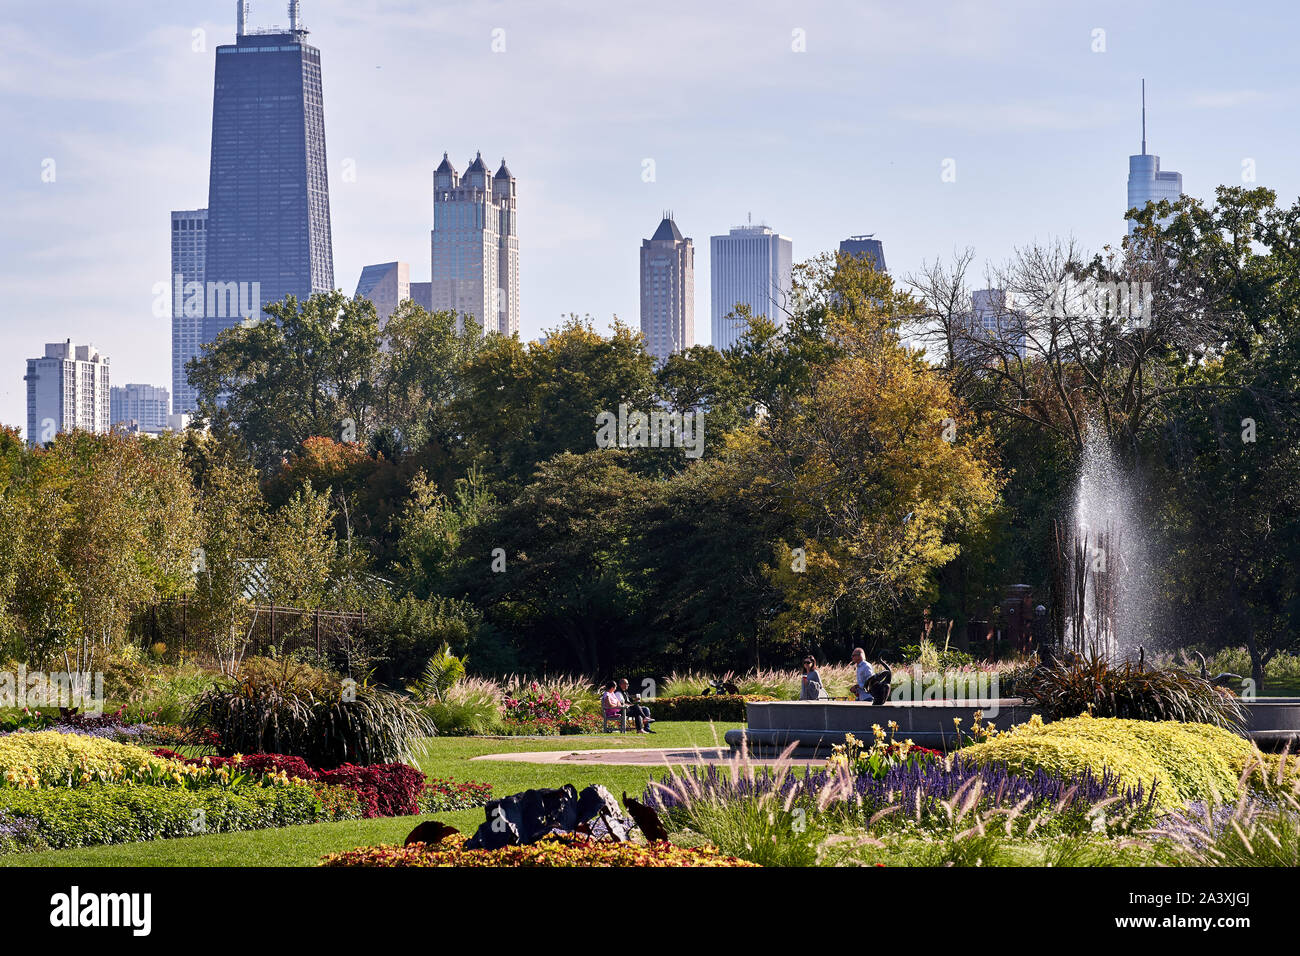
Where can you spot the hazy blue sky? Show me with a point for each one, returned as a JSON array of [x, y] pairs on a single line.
[[846, 137]]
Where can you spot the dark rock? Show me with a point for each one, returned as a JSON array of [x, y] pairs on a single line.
[[430, 832], [527, 817]]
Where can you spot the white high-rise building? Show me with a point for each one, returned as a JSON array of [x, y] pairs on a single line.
[[476, 245], [67, 389], [1147, 182], [189, 258], [750, 266], [667, 290], [993, 318]]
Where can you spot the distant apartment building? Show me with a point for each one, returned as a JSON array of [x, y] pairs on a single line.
[[667, 290], [865, 247], [1147, 182], [993, 318], [751, 265], [139, 408], [189, 256], [385, 285], [475, 245], [67, 390]]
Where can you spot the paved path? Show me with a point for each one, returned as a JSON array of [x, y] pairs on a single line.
[[656, 757]]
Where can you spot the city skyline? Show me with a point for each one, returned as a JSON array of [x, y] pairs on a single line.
[[84, 254]]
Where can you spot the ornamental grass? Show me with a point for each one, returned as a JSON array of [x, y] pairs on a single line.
[[553, 851]]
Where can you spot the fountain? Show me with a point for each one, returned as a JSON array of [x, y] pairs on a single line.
[[1102, 604]]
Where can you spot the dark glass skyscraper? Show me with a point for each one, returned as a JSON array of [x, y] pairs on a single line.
[[268, 232]]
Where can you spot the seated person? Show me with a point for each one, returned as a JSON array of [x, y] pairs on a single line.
[[611, 703], [636, 710], [862, 675]]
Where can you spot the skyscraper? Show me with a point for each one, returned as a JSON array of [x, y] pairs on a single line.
[[189, 253], [385, 285], [667, 290], [475, 245], [1146, 181], [751, 266], [865, 247], [994, 319], [268, 232], [66, 389], [139, 407]]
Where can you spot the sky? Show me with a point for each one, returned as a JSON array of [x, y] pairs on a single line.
[[821, 119]]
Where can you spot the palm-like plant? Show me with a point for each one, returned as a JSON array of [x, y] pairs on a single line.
[[442, 672]]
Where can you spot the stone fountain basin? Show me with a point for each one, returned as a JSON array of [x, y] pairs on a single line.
[[818, 725]]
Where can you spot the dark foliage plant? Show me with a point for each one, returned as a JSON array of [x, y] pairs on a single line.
[[1093, 685], [327, 728]]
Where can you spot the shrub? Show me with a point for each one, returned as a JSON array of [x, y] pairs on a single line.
[[1096, 686], [382, 790], [553, 851], [52, 759], [548, 727], [1187, 761], [99, 814], [268, 715], [443, 795], [472, 706], [719, 707], [531, 703]]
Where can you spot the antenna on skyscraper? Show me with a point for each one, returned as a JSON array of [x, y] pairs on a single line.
[[241, 18], [294, 25], [1144, 116]]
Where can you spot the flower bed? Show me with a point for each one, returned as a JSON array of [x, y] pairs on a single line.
[[918, 790], [1189, 762], [383, 790], [553, 851], [106, 813]]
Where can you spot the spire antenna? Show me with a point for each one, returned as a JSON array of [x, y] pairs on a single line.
[[1144, 116]]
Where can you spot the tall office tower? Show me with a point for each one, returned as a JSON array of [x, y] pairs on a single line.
[[422, 295], [667, 290], [1146, 181], [748, 266], [268, 192], [993, 317], [475, 245], [865, 247], [140, 408], [67, 389], [385, 285], [189, 252]]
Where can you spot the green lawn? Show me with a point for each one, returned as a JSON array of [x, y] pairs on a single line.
[[442, 757]]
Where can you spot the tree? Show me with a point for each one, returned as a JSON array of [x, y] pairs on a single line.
[[308, 369]]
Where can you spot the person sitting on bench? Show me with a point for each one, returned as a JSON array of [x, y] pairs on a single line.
[[636, 710], [611, 703]]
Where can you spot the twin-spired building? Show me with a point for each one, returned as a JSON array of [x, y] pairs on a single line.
[[475, 244], [751, 266]]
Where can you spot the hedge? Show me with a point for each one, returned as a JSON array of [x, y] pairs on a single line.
[[719, 707], [1188, 762], [99, 813]]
